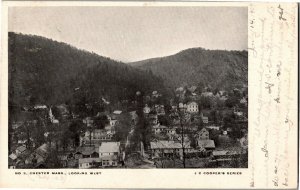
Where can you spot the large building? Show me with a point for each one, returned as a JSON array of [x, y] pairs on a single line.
[[109, 152], [192, 107]]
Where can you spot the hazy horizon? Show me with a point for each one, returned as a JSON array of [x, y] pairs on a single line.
[[152, 31]]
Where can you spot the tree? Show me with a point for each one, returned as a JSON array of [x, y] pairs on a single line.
[[101, 121], [206, 102], [76, 129], [200, 87], [52, 160], [232, 101]]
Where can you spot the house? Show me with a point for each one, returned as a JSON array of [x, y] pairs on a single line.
[[244, 142], [110, 129], [224, 155], [113, 122], [192, 107], [182, 106], [238, 113], [214, 127], [204, 119], [117, 112], [85, 163], [40, 107], [160, 149], [203, 134], [192, 89], [95, 137], [160, 109], [243, 101], [67, 159], [109, 152], [153, 119], [203, 141], [88, 121], [171, 131], [16, 124], [20, 150], [63, 109], [134, 117], [146, 109], [174, 107], [87, 152], [155, 94], [39, 156], [206, 144], [159, 129]]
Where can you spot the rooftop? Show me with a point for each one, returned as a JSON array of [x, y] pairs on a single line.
[[109, 147], [89, 160], [117, 112], [167, 145], [206, 143], [87, 150], [21, 148]]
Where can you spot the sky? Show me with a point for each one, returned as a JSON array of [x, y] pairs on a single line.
[[136, 33]]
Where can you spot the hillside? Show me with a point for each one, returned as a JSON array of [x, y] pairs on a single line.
[[43, 71], [217, 68]]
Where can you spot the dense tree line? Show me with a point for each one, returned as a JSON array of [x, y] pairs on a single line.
[[217, 68], [43, 71]]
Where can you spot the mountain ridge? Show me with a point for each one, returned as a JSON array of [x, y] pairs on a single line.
[[200, 63], [45, 71]]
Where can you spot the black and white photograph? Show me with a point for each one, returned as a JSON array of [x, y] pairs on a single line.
[[127, 87]]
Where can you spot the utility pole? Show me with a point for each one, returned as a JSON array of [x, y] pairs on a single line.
[[182, 138]]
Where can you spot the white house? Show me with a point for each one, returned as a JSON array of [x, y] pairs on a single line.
[[146, 109], [109, 153], [192, 107], [85, 163]]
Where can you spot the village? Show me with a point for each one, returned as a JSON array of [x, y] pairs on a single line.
[[195, 129]]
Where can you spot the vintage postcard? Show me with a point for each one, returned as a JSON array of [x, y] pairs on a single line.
[[149, 95]]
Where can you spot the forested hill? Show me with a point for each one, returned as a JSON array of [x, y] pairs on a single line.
[[217, 68], [43, 71]]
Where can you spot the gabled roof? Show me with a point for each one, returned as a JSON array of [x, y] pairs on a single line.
[[13, 156], [109, 147], [192, 103], [203, 130], [21, 148], [206, 143], [87, 150], [42, 150], [219, 152], [117, 112], [167, 145], [89, 160]]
